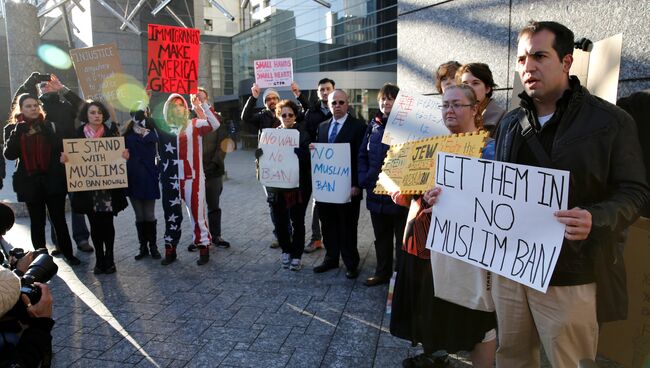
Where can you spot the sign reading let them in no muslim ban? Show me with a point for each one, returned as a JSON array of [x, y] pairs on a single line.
[[95, 163], [173, 57], [414, 117], [499, 216], [95, 66], [279, 164], [273, 72], [331, 179]]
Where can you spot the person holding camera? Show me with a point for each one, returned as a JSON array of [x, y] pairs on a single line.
[[39, 180]]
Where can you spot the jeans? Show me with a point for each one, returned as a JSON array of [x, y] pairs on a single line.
[[144, 209]]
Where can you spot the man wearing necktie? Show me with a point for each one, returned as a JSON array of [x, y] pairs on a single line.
[[339, 220]]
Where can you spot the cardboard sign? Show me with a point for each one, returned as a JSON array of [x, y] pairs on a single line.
[[499, 216], [278, 166], [273, 72], [410, 167], [95, 163], [414, 117], [173, 58], [331, 171], [95, 67]]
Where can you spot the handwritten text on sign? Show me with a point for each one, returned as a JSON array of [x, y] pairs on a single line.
[[414, 117], [95, 163], [95, 66], [499, 216], [273, 72], [409, 167], [172, 61], [279, 163], [331, 174]]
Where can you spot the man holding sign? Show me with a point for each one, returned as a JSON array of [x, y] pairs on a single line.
[[560, 125]]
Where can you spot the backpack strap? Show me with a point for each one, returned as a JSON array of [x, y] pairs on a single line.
[[530, 135]]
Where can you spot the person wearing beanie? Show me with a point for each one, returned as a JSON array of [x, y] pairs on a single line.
[[9, 290], [182, 176]]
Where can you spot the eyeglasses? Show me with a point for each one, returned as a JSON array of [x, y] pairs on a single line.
[[288, 115], [340, 102], [455, 106]]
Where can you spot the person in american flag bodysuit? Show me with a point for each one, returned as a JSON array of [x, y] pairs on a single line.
[[182, 177]]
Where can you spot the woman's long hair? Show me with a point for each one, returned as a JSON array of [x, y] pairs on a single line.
[[83, 112], [18, 103]]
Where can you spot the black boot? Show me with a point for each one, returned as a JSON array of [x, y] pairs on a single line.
[[99, 258], [150, 233], [142, 238], [204, 255], [170, 254]]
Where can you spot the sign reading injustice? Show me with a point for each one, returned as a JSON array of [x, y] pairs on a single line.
[[95, 163], [95, 66], [499, 216], [414, 117], [331, 179], [409, 167], [273, 72], [173, 56], [278, 166]]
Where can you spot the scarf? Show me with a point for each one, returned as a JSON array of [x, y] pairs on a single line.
[[91, 133], [35, 146]]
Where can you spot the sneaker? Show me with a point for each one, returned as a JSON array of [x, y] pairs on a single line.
[[73, 261], [192, 248], [313, 246], [221, 243], [84, 246], [274, 245], [296, 265], [286, 260], [56, 251], [426, 361]]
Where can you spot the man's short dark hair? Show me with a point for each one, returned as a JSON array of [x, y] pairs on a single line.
[[389, 90], [564, 38], [326, 80]]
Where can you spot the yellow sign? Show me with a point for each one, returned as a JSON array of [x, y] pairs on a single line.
[[409, 167], [95, 163]]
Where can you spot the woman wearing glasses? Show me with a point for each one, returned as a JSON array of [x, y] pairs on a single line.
[[288, 206], [479, 77], [417, 315]]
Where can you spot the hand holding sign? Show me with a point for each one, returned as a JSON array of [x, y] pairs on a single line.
[[577, 221]]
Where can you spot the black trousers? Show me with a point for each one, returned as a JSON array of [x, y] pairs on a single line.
[[37, 217], [102, 232], [213, 189], [289, 225], [386, 228], [339, 226]]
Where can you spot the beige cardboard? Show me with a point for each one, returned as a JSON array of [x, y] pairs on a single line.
[[96, 68], [95, 163]]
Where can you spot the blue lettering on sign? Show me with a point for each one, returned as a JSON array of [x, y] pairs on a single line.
[[331, 170], [318, 153], [325, 186]]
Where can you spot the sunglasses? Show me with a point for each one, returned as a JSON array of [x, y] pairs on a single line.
[[288, 115], [340, 102]]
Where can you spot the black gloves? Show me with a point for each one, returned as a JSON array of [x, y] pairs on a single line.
[[258, 153]]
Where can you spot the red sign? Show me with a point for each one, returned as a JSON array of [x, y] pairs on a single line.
[[173, 59]]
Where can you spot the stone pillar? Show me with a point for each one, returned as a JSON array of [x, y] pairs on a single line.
[[23, 39], [205, 69]]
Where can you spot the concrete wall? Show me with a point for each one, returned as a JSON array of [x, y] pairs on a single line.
[[430, 33]]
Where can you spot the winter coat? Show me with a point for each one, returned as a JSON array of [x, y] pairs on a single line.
[[313, 117], [142, 171], [213, 152], [371, 158], [260, 120]]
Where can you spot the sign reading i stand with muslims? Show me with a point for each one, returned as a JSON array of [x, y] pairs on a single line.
[[95, 67], [278, 166], [331, 179], [500, 217], [173, 57], [95, 163], [273, 72], [414, 117]]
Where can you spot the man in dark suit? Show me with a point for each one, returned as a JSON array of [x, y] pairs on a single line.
[[339, 221]]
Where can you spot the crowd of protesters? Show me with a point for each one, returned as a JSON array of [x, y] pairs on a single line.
[[559, 124]]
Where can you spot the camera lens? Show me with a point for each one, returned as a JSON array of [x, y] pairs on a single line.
[[42, 269]]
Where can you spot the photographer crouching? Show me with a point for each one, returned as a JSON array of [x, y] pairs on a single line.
[[25, 302]]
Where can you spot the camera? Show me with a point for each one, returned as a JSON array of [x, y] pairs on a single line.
[[43, 78], [19, 253], [42, 269]]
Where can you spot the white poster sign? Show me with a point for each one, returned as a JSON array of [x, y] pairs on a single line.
[[414, 117], [331, 172], [273, 72], [499, 216], [278, 166]]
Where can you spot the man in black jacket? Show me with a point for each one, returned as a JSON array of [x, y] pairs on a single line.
[[596, 142], [340, 221]]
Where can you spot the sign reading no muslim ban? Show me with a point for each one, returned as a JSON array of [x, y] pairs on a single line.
[[273, 72], [95, 67], [331, 179], [499, 216], [409, 167], [95, 163], [173, 57], [278, 166], [414, 117]]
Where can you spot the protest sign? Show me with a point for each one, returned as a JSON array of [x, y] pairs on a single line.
[[414, 117], [95, 67], [273, 72], [331, 179], [410, 167], [499, 216], [278, 166], [173, 57], [95, 163]]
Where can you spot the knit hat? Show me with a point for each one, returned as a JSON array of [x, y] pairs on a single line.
[[270, 91], [9, 290]]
